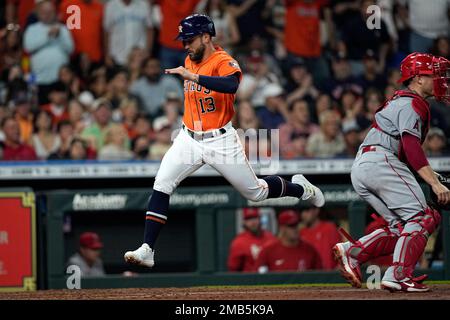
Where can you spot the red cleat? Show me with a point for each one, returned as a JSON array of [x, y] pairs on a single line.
[[350, 272]]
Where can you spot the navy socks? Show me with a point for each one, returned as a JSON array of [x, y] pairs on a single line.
[[156, 216], [278, 187]]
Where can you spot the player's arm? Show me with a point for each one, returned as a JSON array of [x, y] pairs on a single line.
[[227, 84], [418, 161]]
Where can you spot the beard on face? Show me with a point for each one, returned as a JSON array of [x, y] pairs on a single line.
[[153, 77], [198, 54]]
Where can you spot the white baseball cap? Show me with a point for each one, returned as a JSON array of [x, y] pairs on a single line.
[[272, 90]]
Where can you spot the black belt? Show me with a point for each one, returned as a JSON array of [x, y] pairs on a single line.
[[206, 135]]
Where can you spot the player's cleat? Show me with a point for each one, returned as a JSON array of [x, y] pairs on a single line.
[[420, 279], [404, 286], [142, 256], [348, 265], [311, 193]]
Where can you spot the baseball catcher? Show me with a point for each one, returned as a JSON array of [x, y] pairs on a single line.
[[382, 175]]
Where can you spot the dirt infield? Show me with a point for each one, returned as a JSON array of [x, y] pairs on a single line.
[[439, 292]]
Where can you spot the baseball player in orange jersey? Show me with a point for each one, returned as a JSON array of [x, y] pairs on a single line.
[[211, 79]]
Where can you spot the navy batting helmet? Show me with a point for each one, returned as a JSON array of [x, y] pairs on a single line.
[[194, 25]]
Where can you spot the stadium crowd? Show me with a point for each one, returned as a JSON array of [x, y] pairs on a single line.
[[93, 87]]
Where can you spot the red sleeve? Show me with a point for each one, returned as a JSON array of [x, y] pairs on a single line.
[[262, 259], [413, 151], [317, 261], [235, 257]]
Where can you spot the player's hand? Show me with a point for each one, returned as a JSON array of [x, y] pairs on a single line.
[[442, 193], [183, 72]]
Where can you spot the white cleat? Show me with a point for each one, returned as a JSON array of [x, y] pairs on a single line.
[[311, 193], [142, 256]]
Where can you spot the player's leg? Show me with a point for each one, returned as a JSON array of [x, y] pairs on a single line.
[[228, 157], [351, 255], [182, 159]]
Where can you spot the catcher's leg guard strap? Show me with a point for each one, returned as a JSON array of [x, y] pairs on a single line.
[[378, 243]]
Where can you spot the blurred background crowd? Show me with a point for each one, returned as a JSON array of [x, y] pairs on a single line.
[[93, 86]]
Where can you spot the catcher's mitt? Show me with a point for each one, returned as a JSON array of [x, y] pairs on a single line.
[[445, 180]]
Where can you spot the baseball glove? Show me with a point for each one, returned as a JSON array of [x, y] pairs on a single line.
[[445, 180]]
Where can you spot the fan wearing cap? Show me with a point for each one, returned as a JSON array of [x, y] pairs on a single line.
[[88, 256], [288, 252], [383, 175], [58, 106], [246, 246]]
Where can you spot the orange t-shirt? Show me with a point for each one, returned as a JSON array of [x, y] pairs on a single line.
[[88, 39], [302, 29], [173, 11], [205, 109]]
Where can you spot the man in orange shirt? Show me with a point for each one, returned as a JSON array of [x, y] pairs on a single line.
[[88, 38], [288, 252], [245, 248], [211, 79], [171, 52], [322, 235], [304, 43]]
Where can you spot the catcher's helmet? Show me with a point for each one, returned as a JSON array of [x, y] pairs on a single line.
[[423, 63], [194, 25]]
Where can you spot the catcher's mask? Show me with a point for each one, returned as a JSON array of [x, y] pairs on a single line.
[[427, 64]]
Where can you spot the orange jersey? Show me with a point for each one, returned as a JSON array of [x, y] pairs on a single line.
[[304, 41], [205, 109]]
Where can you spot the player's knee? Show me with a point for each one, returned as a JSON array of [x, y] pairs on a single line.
[[165, 187], [254, 195]]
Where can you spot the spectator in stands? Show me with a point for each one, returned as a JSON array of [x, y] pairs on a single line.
[[44, 140], [328, 142], [352, 139], [70, 80], [58, 99], [12, 149], [255, 80], [172, 53], [441, 47], [389, 91], [88, 256], [393, 76], [343, 11], [227, 32], [427, 22], [357, 39], [435, 143], [321, 104], [301, 85], [118, 84], [115, 139], [342, 77], [78, 150], [294, 134], [351, 105], [127, 24], [135, 60], [66, 135], [371, 78], [78, 117], [246, 246], [10, 47], [95, 133], [288, 252], [129, 113], [143, 127], [275, 111], [305, 43], [140, 147], [320, 234], [250, 17], [22, 12], [373, 99], [98, 84], [50, 44], [88, 37], [163, 141], [171, 114], [23, 115], [245, 117], [153, 87]]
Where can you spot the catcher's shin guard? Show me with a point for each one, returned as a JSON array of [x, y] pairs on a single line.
[[380, 242], [412, 242]]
